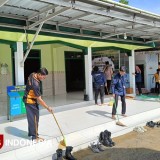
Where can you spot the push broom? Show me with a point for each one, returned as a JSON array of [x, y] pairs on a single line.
[[62, 143], [119, 123]]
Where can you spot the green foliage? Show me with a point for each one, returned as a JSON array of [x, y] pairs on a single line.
[[124, 1]]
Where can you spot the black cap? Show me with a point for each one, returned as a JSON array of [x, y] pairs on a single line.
[[122, 68]]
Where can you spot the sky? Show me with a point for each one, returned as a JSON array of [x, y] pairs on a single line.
[[147, 5]]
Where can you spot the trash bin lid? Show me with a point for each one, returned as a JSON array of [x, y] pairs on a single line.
[[13, 94]]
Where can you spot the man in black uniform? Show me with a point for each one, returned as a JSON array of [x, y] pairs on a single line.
[[32, 99]]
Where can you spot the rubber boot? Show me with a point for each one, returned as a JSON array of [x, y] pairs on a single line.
[[109, 138], [59, 154], [68, 154]]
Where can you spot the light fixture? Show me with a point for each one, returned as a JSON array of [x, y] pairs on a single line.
[[125, 36]]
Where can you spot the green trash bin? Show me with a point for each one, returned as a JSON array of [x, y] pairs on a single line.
[[23, 108]]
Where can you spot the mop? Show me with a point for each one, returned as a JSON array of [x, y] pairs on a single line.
[[62, 143], [119, 123]]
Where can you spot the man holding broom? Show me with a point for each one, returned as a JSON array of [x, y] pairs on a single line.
[[118, 89], [31, 99]]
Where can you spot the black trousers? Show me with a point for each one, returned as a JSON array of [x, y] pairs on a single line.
[[108, 86], [138, 84], [32, 111], [114, 109], [99, 89], [157, 87]]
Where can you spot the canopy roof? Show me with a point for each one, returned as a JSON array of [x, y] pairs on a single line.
[[88, 23]]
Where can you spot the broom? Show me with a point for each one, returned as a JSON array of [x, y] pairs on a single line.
[[62, 143], [118, 122]]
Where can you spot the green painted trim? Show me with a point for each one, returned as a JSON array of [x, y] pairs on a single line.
[[13, 47], [6, 41], [61, 42]]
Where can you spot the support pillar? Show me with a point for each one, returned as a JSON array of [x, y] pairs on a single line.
[[88, 76], [132, 70], [19, 70]]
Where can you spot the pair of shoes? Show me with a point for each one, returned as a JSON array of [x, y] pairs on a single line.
[[114, 117], [151, 124], [138, 129], [94, 147]]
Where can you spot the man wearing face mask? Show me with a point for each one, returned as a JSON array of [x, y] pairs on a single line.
[[32, 98], [119, 89]]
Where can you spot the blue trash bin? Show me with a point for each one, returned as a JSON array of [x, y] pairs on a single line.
[[14, 103]]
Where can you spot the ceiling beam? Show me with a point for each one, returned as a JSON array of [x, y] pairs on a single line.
[[49, 7], [48, 17]]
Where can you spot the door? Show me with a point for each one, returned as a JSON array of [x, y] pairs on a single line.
[[75, 75], [32, 63], [141, 66]]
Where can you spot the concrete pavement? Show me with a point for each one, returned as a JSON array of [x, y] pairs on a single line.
[[81, 124]]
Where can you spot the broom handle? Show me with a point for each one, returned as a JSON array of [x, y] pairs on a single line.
[[58, 124]]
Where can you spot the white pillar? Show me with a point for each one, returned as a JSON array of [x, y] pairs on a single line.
[[19, 70], [132, 70], [88, 76]]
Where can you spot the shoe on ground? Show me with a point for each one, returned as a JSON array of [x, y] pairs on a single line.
[[94, 147], [100, 147], [124, 115], [38, 139], [143, 128], [151, 124], [113, 117], [138, 129]]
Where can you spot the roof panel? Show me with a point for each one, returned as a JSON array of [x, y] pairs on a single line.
[[93, 15]]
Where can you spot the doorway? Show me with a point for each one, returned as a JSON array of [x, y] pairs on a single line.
[[75, 74], [32, 63], [141, 66]]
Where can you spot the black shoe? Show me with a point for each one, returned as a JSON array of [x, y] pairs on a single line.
[[59, 154], [68, 154], [107, 143], [110, 140], [151, 124]]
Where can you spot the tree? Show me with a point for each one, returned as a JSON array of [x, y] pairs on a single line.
[[124, 1]]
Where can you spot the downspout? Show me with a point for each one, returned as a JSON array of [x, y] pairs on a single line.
[[33, 40]]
